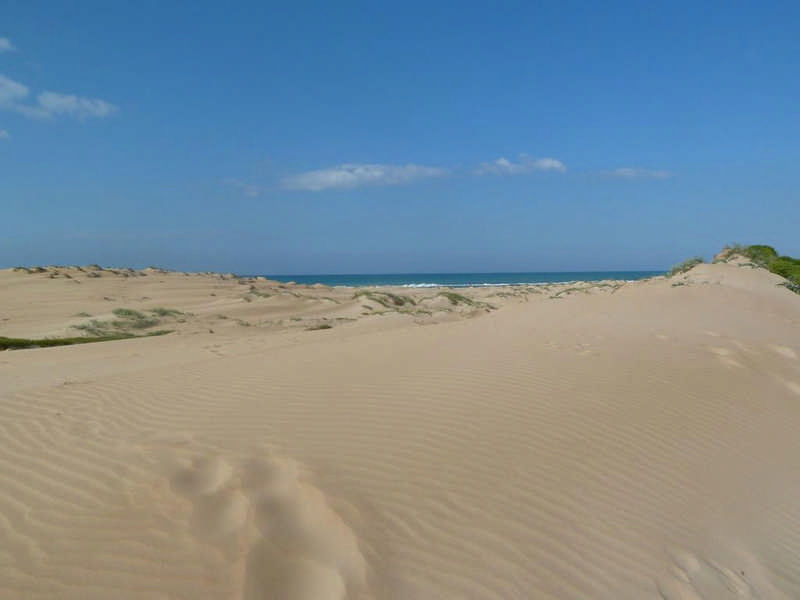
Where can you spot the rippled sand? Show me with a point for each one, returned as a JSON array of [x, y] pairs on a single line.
[[610, 440]]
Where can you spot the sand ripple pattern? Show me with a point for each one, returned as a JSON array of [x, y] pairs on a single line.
[[591, 448], [152, 516]]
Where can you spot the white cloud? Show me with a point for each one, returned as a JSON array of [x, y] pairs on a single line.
[[4, 135], [549, 164], [349, 176], [14, 95], [526, 164], [6, 45], [636, 173]]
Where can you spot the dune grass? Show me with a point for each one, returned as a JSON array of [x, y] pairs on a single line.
[[386, 299], [132, 319], [128, 313], [455, 298], [128, 320], [165, 312], [684, 266], [22, 343]]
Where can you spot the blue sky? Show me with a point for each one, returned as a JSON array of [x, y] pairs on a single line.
[[396, 137]]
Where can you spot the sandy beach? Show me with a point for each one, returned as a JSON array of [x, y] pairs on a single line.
[[607, 440]]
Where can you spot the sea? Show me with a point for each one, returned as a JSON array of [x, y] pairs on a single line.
[[456, 280]]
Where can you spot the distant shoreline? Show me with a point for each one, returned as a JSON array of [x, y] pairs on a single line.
[[361, 280], [462, 280]]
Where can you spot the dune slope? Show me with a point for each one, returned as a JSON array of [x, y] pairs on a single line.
[[635, 444]]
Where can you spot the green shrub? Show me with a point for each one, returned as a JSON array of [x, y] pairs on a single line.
[[759, 253], [766, 256], [794, 287], [787, 267]]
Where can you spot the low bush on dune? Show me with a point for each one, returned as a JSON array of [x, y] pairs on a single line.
[[767, 257], [759, 253], [128, 320], [94, 328], [787, 267], [684, 266]]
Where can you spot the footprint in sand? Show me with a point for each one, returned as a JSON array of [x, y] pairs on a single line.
[[725, 356], [306, 550], [792, 385], [294, 546], [784, 351], [696, 579]]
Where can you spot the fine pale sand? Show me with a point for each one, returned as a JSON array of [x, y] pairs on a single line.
[[613, 440]]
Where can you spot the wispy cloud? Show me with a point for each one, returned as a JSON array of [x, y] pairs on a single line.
[[248, 189], [4, 135], [526, 164], [637, 173], [14, 96], [6, 45], [11, 92], [54, 103], [350, 176]]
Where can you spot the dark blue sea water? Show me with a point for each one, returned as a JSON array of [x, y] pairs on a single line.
[[462, 279]]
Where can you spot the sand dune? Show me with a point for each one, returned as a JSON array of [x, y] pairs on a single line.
[[609, 440]]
